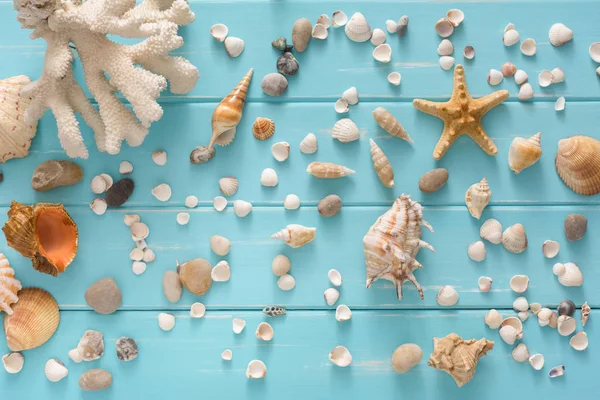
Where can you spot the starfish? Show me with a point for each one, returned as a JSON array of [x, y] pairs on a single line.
[[462, 115]]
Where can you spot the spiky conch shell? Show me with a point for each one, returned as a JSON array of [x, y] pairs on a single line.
[[458, 357], [524, 152], [477, 197], [393, 242], [9, 286], [15, 134], [325, 170], [388, 123], [382, 165], [228, 113], [44, 233], [263, 128], [295, 235], [34, 321], [578, 164]]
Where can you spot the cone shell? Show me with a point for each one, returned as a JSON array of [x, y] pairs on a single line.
[[326, 170], [578, 164], [228, 113], [524, 153], [382, 165], [9, 286], [34, 321], [477, 197], [45, 233], [295, 235], [390, 124], [514, 239], [15, 134], [458, 357], [263, 128]]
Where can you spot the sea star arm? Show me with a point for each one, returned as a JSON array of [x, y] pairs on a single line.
[[447, 138], [486, 103], [432, 108], [480, 137]]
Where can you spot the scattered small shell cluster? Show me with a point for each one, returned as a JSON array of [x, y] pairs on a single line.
[[141, 255], [445, 28], [349, 98], [116, 194], [234, 46]]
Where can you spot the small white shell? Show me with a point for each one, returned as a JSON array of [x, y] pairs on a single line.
[[520, 353], [140, 244], [545, 78], [523, 315], [264, 331], [221, 272], [183, 218], [136, 254], [309, 144], [324, 20], [508, 334], [491, 230], [391, 26], [519, 283], [394, 78], [446, 62], [55, 370], [579, 341], [238, 325], [242, 208], [516, 324], [595, 51], [351, 96], [341, 106], [511, 37], [98, 185], [219, 32], [568, 274], [485, 283], [166, 321], [159, 157], [528, 47], [560, 104], [13, 362], [509, 27], [358, 29], [162, 192], [291, 202], [98, 206], [130, 219], [544, 316], [444, 27], [493, 319], [234, 46], [537, 361], [197, 310], [558, 75], [345, 130], [331, 296], [149, 255], [469, 52], [535, 308], [139, 230], [75, 355], [339, 18], [343, 313], [138, 267], [455, 16], [383, 53], [566, 325], [286, 282], [445, 48], [521, 304], [320, 32], [256, 370], [514, 238], [335, 277], [281, 265], [520, 77], [228, 185], [220, 203], [553, 322], [476, 251], [559, 34], [378, 37], [269, 177], [525, 92], [340, 356], [227, 355], [495, 77], [220, 245], [125, 167], [447, 296], [191, 201], [281, 151], [550, 248]]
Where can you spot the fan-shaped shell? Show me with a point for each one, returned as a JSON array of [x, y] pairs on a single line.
[[382, 165], [491, 230], [514, 238], [578, 164], [263, 128], [34, 321], [9, 286], [324, 170], [358, 29], [524, 153], [295, 235], [309, 144], [477, 197], [568, 274], [345, 130], [559, 34], [390, 124], [45, 233], [228, 185], [15, 134]]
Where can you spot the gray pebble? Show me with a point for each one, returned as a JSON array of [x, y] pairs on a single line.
[[54, 173], [104, 296], [202, 154], [330, 205], [274, 84], [575, 226], [287, 64], [127, 349], [433, 180], [172, 286], [95, 379]]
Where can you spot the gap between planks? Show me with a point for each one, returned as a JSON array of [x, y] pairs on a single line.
[[186, 308]]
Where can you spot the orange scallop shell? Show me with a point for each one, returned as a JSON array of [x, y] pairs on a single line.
[[578, 164], [9, 286], [45, 233], [263, 128]]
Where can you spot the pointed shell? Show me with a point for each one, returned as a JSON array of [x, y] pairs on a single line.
[[55, 370], [444, 27], [537, 361], [274, 311], [238, 325], [484, 283], [345, 130], [514, 239], [476, 251], [445, 48], [402, 26], [340, 356], [242, 208], [446, 62], [493, 319], [524, 153], [406, 357], [256, 370], [378, 37], [519, 283], [520, 353], [447, 296], [559, 34], [228, 185], [491, 230], [263, 128], [335, 277], [339, 18], [382, 165], [219, 32], [324, 170], [291, 202], [9, 286], [331, 296], [265, 332], [269, 178], [578, 164], [566, 325], [520, 77], [528, 47], [525, 92], [295, 235], [351, 96], [221, 272], [394, 78], [286, 282], [358, 29], [301, 34], [13, 362], [390, 124], [383, 53], [343, 313], [309, 144], [579, 341], [320, 32], [477, 197]]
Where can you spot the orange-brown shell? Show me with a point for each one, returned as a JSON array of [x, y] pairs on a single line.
[[578, 164], [263, 128], [45, 233], [34, 321], [9, 286]]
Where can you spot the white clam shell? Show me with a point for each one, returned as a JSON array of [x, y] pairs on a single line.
[[98, 206], [476, 251], [559, 34], [138, 267], [544, 316], [197, 310], [378, 37], [509, 27], [340, 356], [136, 254], [520, 77], [331, 296], [191, 201], [444, 27], [516, 324], [183, 218], [281, 265], [535, 308], [520, 304], [75, 356], [286, 282], [125, 167], [525, 92], [324, 20], [98, 185], [579, 341], [228, 185], [55, 370], [291, 202], [394, 78], [242, 208], [221, 272], [238, 325], [446, 62], [528, 47], [351, 95], [537, 361], [484, 283], [493, 319], [511, 37], [220, 203], [108, 179], [491, 230], [220, 245], [256, 370], [320, 31], [383, 53], [281, 151], [345, 130], [523, 315], [13, 362], [309, 144], [520, 353], [343, 313], [445, 48], [560, 104], [495, 77], [469, 52], [550, 248], [234, 46], [558, 75], [139, 230], [219, 32], [566, 325], [130, 219], [159, 157], [227, 355], [339, 18], [166, 321], [447, 296], [594, 51], [545, 78], [519, 283], [358, 29], [149, 255], [455, 16], [568, 274], [162, 192], [391, 26], [514, 239], [508, 334], [269, 177], [341, 106], [335, 277], [265, 331]]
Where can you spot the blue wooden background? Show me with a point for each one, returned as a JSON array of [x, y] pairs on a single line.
[[186, 361]]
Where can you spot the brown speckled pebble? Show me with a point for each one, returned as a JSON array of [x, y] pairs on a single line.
[[433, 180], [330, 205], [95, 379], [104, 296], [575, 226]]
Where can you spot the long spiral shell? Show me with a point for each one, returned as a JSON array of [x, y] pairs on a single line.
[[324, 170], [578, 164], [524, 153], [390, 124], [382, 165], [9, 286]]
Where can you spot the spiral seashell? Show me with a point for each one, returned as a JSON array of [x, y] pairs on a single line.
[[295, 235], [9, 286], [345, 130], [228, 185], [390, 124], [382, 165], [578, 164], [324, 170], [477, 197], [514, 238], [358, 29], [263, 128], [309, 144], [491, 230], [228, 113], [524, 153], [559, 34]]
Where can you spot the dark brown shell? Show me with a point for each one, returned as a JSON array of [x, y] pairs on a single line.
[[119, 193]]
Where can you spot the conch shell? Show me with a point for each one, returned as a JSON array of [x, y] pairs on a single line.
[[477, 197], [45, 233], [325, 170], [295, 235], [524, 153], [382, 165], [15, 134], [392, 243], [390, 124], [228, 113], [9, 286], [578, 164], [34, 321], [458, 357]]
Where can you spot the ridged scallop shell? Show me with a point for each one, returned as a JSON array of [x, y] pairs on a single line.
[[524, 153], [263, 128], [34, 321], [15, 134], [345, 130], [559, 34], [514, 238], [491, 230], [45, 233], [309, 144], [295, 235], [578, 164], [326, 170], [9, 286], [358, 29], [228, 113], [382, 165], [391, 245], [458, 357], [568, 274], [390, 124], [477, 197], [228, 185]]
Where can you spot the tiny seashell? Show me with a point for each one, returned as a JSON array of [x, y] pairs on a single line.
[[553, 321], [242, 208], [238, 325], [341, 106], [343, 313], [495, 77], [228, 185], [159, 157], [485, 283], [544, 316], [444, 27], [138, 267], [568, 274], [162, 192], [585, 313], [330, 205], [566, 325], [324, 170], [108, 179], [264, 331], [324, 20], [525, 92], [220, 245], [382, 165], [191, 201], [558, 75], [287, 64], [13, 362], [55, 370], [508, 70], [560, 104], [149, 255], [301, 33], [445, 48], [339, 18], [508, 334], [351, 96], [91, 345], [281, 151], [319, 32], [535, 308], [520, 77], [469, 52], [446, 62], [523, 152], [516, 324], [559, 34], [514, 239], [139, 230], [358, 29], [477, 197], [491, 230], [125, 168], [550, 248], [566, 307], [183, 218], [75, 356], [594, 51], [98, 185], [202, 154], [274, 311], [455, 16], [98, 206], [406, 357], [378, 37], [197, 310], [390, 124], [476, 251], [291, 202], [509, 27], [523, 315], [221, 272], [391, 26], [219, 32], [263, 128], [340, 356], [383, 53], [402, 25], [394, 78], [545, 78], [295, 235], [335, 277], [234, 46], [511, 37], [281, 265], [274, 84], [557, 371], [493, 319], [331, 296], [447, 296], [130, 219], [537, 361], [520, 353], [256, 370], [528, 47], [269, 177], [309, 144], [286, 282], [519, 283], [433, 180], [579, 341], [520, 304]]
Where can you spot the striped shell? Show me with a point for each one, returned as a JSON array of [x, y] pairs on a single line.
[[514, 239], [326, 170], [9, 286], [477, 197], [274, 311], [358, 29], [578, 164], [263, 128], [388, 123], [382, 165], [491, 230], [228, 185], [345, 130], [524, 153], [295, 235]]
